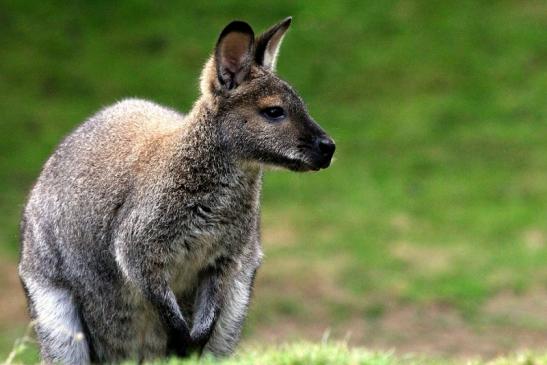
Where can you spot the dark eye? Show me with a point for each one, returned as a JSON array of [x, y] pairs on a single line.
[[274, 113]]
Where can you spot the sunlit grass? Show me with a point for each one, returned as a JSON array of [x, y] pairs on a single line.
[[311, 354]]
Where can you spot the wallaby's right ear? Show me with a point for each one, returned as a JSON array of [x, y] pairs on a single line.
[[267, 45], [234, 54]]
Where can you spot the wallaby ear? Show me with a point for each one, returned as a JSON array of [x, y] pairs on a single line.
[[267, 45], [234, 54]]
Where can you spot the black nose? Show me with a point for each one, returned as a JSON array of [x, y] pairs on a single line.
[[326, 146]]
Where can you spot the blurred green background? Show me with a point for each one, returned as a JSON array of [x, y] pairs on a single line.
[[428, 233]]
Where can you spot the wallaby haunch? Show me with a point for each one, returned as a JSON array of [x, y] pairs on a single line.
[[140, 238]]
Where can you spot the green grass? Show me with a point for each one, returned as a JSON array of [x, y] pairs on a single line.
[[319, 354], [439, 189]]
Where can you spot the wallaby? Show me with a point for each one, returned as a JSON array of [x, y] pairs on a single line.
[[140, 238]]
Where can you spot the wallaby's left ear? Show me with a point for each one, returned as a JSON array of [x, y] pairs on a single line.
[[234, 54], [267, 45]]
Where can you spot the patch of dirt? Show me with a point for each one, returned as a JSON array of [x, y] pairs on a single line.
[[433, 330], [401, 222], [280, 234], [529, 310], [534, 239], [316, 285], [13, 306], [427, 259], [507, 323], [438, 329]]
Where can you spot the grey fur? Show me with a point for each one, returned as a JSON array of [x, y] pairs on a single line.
[[141, 236]]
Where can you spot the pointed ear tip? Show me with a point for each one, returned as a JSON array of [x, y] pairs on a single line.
[[287, 21]]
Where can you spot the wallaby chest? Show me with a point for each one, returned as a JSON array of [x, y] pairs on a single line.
[[213, 225]]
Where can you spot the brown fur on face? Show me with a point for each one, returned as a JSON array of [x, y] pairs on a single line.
[[269, 101]]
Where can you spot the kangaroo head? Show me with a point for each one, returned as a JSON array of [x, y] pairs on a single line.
[[262, 118]]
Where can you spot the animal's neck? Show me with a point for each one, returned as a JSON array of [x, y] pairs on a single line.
[[202, 151]]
